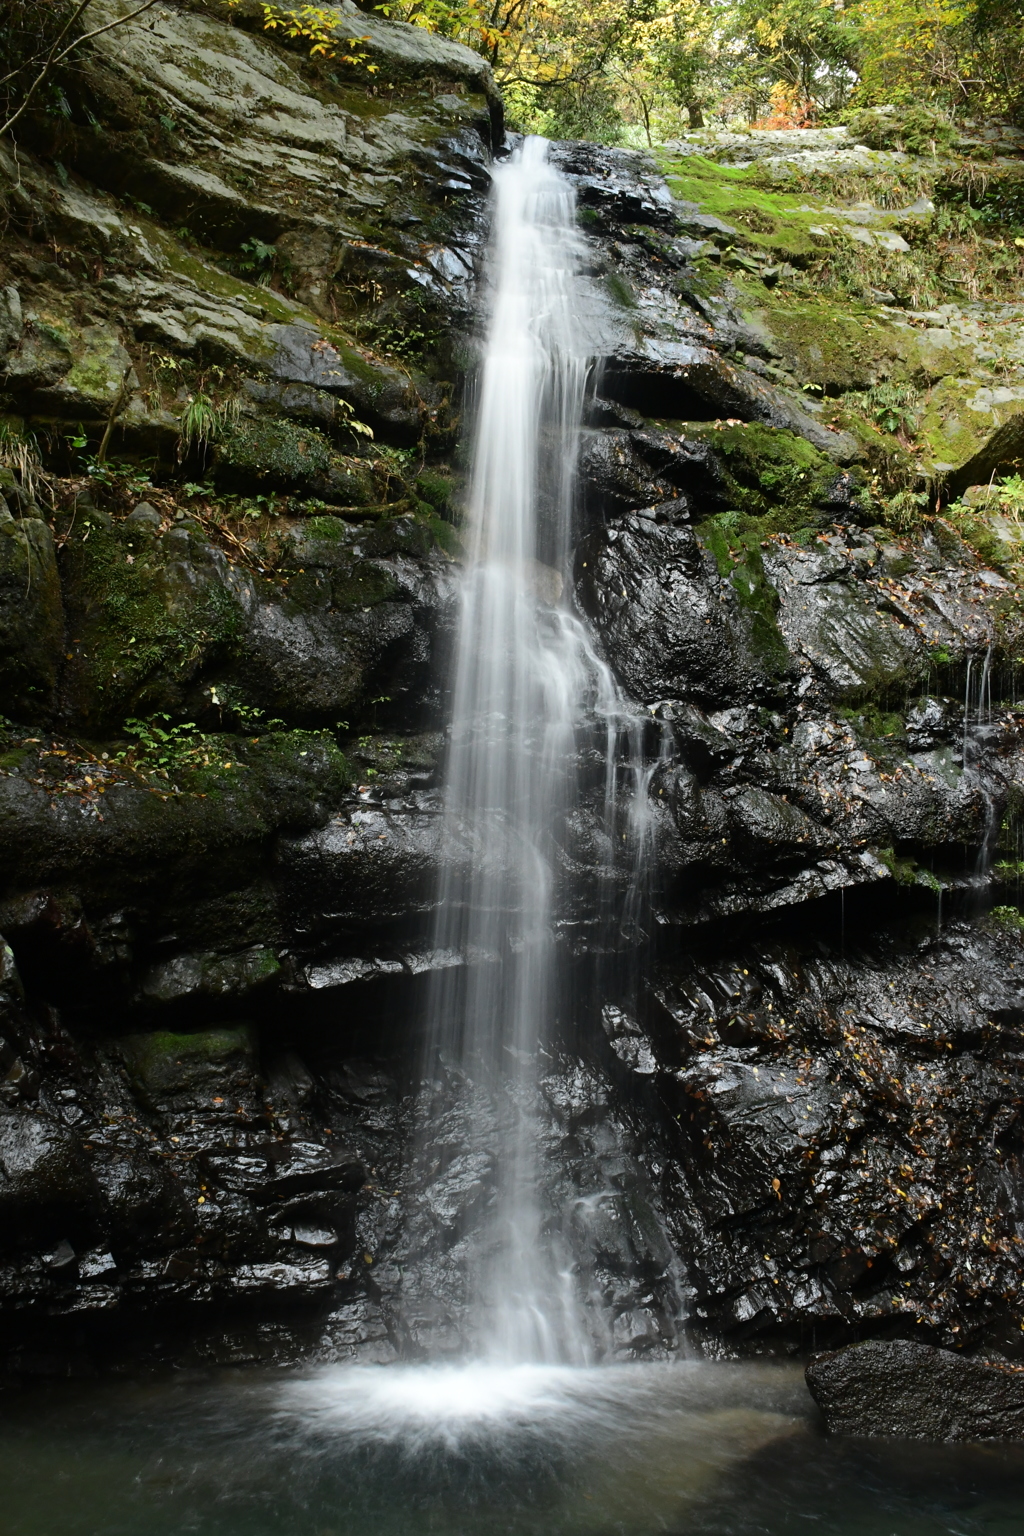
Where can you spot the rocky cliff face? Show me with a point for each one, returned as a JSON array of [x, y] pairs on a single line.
[[224, 644]]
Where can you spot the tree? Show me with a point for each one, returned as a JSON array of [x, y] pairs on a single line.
[[954, 54], [810, 46], [686, 56]]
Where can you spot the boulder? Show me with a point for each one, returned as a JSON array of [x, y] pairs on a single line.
[[912, 1391], [46, 1188], [670, 626], [164, 1066]]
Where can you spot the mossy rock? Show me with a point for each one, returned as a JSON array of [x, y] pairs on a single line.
[[882, 732], [959, 417], [918, 130], [189, 977], [216, 282], [435, 489], [735, 543], [771, 474], [166, 1065], [776, 224], [272, 453], [837, 345], [31, 617], [143, 619]]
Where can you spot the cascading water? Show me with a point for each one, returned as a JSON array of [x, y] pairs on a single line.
[[977, 720], [525, 676]]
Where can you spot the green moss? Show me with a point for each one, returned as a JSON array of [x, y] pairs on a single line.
[[98, 372], [313, 755], [163, 1062], [274, 452], [840, 344], [132, 631], [369, 373], [773, 222], [55, 333], [154, 1050], [363, 585], [382, 755], [444, 535], [264, 772], [882, 732], [735, 543], [955, 423], [975, 526], [434, 488], [773, 475], [211, 279], [775, 481], [903, 871], [329, 529], [621, 292]]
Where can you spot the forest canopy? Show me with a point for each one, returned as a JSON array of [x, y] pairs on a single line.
[[629, 70], [608, 69]]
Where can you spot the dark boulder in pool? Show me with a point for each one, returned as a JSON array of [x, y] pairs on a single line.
[[915, 1392]]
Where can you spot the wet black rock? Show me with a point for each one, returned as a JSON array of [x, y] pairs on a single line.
[[31, 617], [910, 1391], [791, 1109], [826, 1090], [348, 612], [665, 616]]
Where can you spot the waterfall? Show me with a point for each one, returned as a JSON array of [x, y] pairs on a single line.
[[525, 676]]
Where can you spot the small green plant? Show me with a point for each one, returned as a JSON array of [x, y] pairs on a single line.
[[198, 425], [904, 511], [165, 363], [891, 406], [1008, 918], [117, 475], [260, 259], [351, 420], [164, 747], [19, 452], [204, 419], [248, 717], [1010, 495]]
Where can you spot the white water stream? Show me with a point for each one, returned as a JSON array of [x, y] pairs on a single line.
[[526, 676]]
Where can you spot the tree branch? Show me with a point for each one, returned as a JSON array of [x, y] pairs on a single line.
[[54, 59]]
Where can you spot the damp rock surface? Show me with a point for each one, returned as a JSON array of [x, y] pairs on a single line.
[[910, 1391], [789, 1116]]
